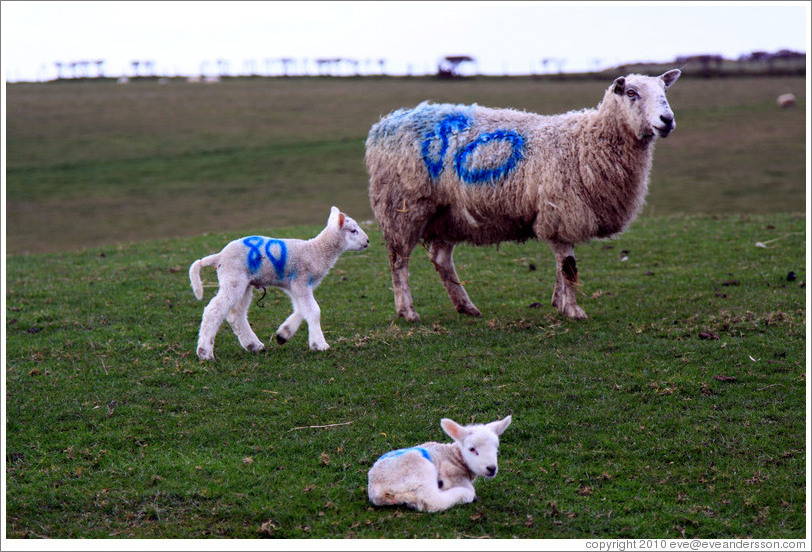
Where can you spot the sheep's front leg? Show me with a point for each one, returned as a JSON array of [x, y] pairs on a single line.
[[435, 500], [442, 256], [308, 309], [291, 323], [566, 280], [238, 318]]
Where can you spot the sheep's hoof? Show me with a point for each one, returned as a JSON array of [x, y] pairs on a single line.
[[319, 346], [255, 347], [281, 340], [205, 354], [410, 316], [470, 310], [575, 313]]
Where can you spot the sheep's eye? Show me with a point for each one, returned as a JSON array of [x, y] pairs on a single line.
[[472, 449], [631, 93], [353, 231]]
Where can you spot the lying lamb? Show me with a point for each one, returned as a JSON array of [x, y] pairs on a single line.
[[444, 174], [296, 266], [436, 476]]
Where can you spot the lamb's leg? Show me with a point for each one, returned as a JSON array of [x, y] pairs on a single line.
[[310, 311], [566, 280], [399, 262], [291, 323], [435, 500], [442, 256], [215, 312], [238, 318]]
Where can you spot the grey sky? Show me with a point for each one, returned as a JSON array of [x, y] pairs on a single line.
[[183, 38]]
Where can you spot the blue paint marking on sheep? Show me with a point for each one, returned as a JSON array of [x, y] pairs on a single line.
[[398, 452], [278, 262], [472, 174], [436, 144], [254, 255], [456, 122]]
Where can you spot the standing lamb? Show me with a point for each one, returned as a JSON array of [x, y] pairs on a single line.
[[446, 173], [436, 476], [296, 266]]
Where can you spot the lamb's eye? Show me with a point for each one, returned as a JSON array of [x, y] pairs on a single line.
[[472, 449], [631, 93], [353, 231]]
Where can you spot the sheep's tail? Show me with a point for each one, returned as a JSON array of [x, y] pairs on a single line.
[[194, 272]]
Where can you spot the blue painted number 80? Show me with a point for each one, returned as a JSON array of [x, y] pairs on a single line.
[[466, 171], [254, 257]]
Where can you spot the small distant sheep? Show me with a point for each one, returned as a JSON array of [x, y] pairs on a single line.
[[444, 174], [436, 476], [786, 100], [296, 266]]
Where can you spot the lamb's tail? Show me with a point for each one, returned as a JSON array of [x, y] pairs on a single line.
[[194, 272]]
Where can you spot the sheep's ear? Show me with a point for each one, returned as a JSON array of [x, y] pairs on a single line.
[[670, 77], [620, 85], [340, 221], [500, 426], [334, 212], [452, 429]]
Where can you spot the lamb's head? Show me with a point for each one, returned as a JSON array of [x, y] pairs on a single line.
[[478, 443], [643, 105], [353, 238]]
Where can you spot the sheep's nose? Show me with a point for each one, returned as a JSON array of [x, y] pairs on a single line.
[[491, 470], [668, 120]]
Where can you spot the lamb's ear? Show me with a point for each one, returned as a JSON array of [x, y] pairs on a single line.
[[334, 216], [670, 77], [341, 221], [500, 426], [452, 429], [619, 85]]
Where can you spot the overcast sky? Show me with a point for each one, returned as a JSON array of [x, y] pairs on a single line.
[[187, 38]]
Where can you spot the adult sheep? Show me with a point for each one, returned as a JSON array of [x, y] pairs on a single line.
[[446, 174]]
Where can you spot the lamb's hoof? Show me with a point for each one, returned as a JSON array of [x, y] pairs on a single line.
[[319, 346], [255, 347], [205, 354], [281, 340]]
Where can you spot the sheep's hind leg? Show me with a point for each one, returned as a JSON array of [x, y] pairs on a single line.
[[214, 314], [399, 262], [442, 256], [566, 280], [238, 318]]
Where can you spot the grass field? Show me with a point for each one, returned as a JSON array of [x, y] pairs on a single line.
[[676, 410], [93, 163], [629, 424]]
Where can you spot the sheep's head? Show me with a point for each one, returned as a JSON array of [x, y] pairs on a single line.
[[354, 238], [643, 104], [478, 443]]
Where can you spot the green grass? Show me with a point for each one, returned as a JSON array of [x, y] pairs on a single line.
[[96, 163], [628, 424]]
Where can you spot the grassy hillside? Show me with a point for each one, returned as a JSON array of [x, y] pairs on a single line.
[[92, 163], [675, 410]]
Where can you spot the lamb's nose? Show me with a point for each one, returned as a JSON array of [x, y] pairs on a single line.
[[491, 471], [669, 121]]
